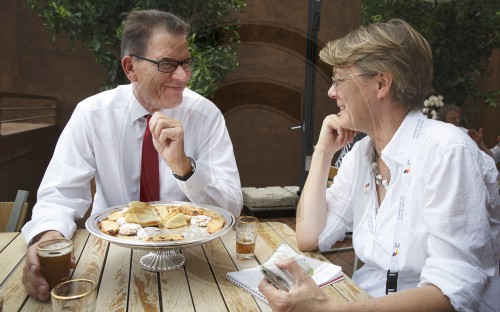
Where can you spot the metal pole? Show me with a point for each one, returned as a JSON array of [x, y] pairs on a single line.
[[313, 19]]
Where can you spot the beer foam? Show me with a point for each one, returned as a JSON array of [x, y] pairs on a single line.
[[55, 250]]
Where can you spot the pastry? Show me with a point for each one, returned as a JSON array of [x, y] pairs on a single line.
[[200, 220], [175, 221], [192, 210], [115, 215], [164, 238], [147, 217], [215, 224], [148, 232], [129, 229], [109, 227]]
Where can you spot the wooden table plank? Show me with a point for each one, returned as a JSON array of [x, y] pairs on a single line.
[[201, 285], [6, 238], [90, 263], [13, 291], [229, 241], [271, 238], [11, 256], [204, 291], [113, 287], [175, 293], [262, 250], [236, 298], [143, 292]]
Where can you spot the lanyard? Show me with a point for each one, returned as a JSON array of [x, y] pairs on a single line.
[[392, 272]]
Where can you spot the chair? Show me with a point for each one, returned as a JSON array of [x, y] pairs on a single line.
[[346, 244], [331, 174], [12, 214]]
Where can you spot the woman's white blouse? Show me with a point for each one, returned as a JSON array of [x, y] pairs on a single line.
[[447, 238]]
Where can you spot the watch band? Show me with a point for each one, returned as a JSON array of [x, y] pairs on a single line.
[[187, 176]]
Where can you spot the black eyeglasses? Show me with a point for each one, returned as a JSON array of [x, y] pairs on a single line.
[[337, 81], [169, 66]]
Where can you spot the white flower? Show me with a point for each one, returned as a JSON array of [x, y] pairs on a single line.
[[432, 106]]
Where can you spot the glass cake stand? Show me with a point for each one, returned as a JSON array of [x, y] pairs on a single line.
[[162, 256]]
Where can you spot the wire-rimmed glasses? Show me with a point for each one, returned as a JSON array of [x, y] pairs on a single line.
[[337, 81], [169, 66]]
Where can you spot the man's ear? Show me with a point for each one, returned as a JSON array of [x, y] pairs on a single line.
[[128, 68], [384, 84]]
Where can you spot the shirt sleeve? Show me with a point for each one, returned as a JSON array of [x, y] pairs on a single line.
[[64, 194], [339, 203], [216, 180], [460, 251]]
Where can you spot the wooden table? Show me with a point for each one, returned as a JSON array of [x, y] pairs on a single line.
[[123, 285]]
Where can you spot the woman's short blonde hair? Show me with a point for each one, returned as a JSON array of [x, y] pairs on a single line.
[[393, 47]]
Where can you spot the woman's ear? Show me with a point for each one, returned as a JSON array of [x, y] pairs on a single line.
[[128, 68], [384, 84]]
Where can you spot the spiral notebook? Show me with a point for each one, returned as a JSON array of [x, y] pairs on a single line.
[[323, 273]]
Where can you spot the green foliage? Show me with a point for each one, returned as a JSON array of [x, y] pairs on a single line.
[[96, 24], [462, 34]]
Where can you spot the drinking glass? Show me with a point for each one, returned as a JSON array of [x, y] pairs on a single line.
[[246, 236], [74, 295], [55, 260]]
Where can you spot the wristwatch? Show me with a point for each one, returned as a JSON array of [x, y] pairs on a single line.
[[189, 174]]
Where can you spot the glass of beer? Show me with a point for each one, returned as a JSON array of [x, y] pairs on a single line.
[[55, 260], [246, 235], [74, 295]]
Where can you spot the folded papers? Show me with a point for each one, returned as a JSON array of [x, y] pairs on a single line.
[[323, 273]]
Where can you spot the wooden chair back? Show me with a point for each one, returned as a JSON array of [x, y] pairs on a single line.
[[12, 214], [331, 174]]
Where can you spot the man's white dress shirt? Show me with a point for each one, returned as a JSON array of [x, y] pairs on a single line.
[[450, 229], [104, 138]]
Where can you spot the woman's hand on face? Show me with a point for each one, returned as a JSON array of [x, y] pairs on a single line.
[[333, 137], [303, 295]]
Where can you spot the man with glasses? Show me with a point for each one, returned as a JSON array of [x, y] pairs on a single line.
[[110, 134]]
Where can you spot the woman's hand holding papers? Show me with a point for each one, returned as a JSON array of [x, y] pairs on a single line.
[[302, 296]]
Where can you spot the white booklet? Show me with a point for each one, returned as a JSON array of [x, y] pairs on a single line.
[[323, 273]]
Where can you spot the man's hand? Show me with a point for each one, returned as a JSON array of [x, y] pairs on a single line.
[[303, 296], [477, 136], [168, 139], [36, 285]]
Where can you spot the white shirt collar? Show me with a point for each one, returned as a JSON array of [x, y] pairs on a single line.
[[400, 146]]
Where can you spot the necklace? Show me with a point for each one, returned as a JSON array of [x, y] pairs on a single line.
[[379, 178]]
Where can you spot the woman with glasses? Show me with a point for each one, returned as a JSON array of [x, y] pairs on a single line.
[[420, 198], [150, 140]]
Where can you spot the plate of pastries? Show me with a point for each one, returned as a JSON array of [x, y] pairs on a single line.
[[160, 225]]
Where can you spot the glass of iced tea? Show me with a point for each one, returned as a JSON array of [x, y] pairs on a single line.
[[246, 235], [55, 260], [74, 295]]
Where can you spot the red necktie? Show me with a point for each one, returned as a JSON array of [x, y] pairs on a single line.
[[150, 177]]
